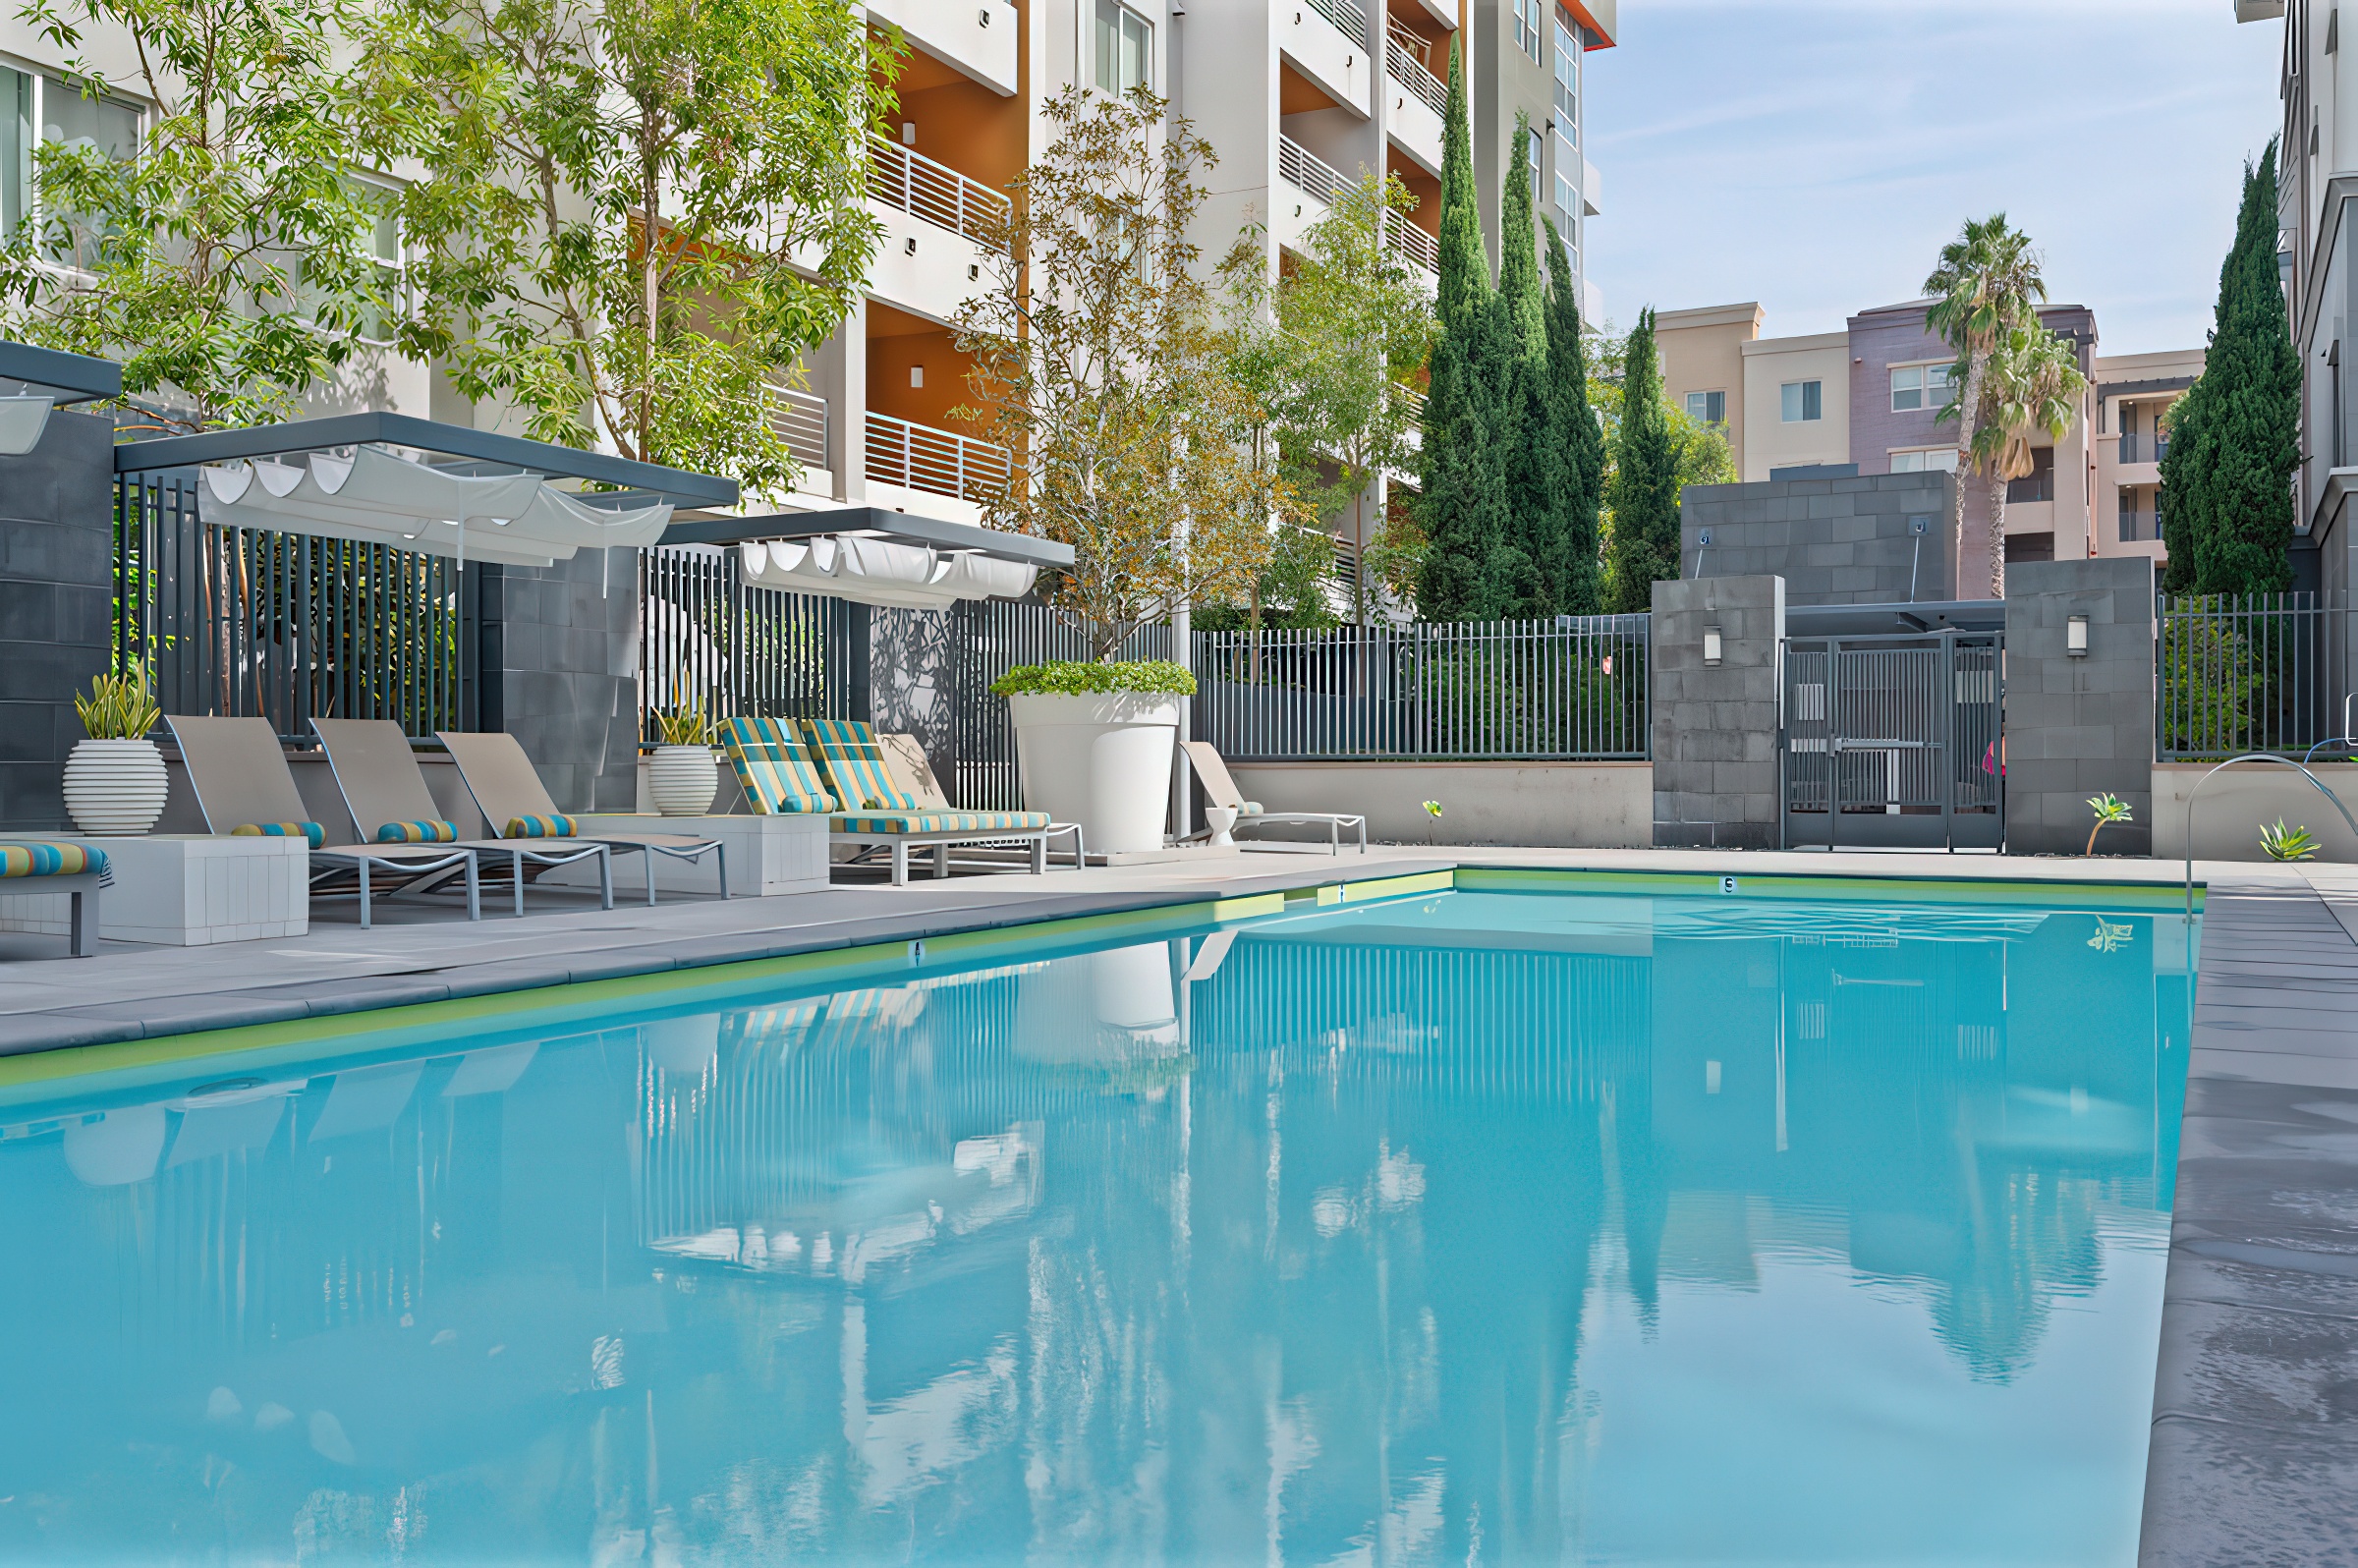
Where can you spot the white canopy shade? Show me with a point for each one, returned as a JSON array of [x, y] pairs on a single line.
[[22, 421], [883, 572], [377, 499]]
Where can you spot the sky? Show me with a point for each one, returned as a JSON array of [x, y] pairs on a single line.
[[1816, 154]]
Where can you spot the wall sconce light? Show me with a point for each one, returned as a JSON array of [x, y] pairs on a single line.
[[1710, 648], [916, 376], [2075, 637]]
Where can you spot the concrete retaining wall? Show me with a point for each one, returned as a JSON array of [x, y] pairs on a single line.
[[56, 587], [2226, 825], [1560, 805]]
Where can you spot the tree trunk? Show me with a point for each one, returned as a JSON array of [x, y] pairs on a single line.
[[1976, 371], [1997, 533]]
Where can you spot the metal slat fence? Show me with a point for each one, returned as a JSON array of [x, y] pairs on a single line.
[[2241, 674], [249, 622], [1572, 689], [736, 649], [991, 636]]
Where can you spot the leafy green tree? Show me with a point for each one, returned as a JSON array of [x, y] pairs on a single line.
[[2031, 383], [1570, 556], [1645, 495], [1988, 283], [1531, 446], [550, 130], [1465, 499], [2235, 435], [224, 259]]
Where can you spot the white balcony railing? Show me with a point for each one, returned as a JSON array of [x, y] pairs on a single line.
[[801, 420], [1308, 172], [904, 177], [1404, 68], [1348, 19], [1413, 242], [918, 457]]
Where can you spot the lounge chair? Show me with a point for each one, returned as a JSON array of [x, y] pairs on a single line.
[[864, 806], [1220, 790], [41, 866], [244, 787], [517, 809], [906, 761]]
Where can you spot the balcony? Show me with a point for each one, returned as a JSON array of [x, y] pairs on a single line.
[[941, 232], [799, 419], [1328, 41], [2137, 527], [1413, 242], [915, 467], [1316, 182], [2142, 448], [976, 37], [1418, 100], [1591, 189]]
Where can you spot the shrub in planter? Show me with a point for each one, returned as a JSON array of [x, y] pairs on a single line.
[[1071, 678], [1095, 742]]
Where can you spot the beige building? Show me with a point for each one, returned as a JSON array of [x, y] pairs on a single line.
[[1702, 353], [1784, 402], [2133, 393]]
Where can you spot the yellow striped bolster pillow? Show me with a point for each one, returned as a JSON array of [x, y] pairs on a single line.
[[553, 826], [49, 860], [313, 832], [435, 832]]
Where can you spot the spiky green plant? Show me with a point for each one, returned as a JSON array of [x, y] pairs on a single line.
[[2108, 807], [2282, 843], [685, 724], [119, 707]]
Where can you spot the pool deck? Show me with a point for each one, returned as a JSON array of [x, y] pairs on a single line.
[[2253, 1454]]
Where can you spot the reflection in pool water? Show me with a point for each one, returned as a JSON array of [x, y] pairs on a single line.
[[1482, 1227]]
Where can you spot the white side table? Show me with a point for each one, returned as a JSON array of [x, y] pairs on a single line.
[[185, 890]]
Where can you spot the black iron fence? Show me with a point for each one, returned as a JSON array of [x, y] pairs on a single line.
[[710, 639], [251, 622], [2240, 674], [1570, 689]]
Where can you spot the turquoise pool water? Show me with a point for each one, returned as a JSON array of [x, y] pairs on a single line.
[[1502, 1228]]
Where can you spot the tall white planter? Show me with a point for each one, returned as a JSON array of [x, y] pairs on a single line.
[[116, 787], [1103, 759]]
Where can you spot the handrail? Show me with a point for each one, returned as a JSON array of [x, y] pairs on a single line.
[[1348, 19], [1417, 79], [1308, 172], [799, 419], [1412, 241], [2251, 757], [919, 456], [905, 177]]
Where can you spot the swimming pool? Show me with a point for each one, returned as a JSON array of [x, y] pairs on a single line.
[[1558, 1226]]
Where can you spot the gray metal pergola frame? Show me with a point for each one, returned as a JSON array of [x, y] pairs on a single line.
[[68, 379], [904, 527]]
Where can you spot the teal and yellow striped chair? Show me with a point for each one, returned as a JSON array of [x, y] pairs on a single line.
[[777, 773], [876, 810], [77, 870]]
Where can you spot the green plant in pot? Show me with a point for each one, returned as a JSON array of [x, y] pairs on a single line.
[[681, 776], [115, 781], [1095, 744]]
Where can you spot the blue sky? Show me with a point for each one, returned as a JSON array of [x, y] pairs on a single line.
[[1814, 154]]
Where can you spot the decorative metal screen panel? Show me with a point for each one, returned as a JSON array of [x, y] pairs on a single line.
[[251, 621], [734, 649], [991, 638], [1894, 740]]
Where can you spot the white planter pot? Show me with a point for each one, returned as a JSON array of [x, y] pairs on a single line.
[[116, 787], [1103, 759], [682, 780]]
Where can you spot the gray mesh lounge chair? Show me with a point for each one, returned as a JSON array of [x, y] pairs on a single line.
[[240, 777], [377, 774], [1220, 790], [507, 789]]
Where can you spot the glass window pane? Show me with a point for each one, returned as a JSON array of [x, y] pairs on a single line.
[[1789, 399], [1109, 46], [1811, 399], [71, 120], [1907, 462], [16, 147]]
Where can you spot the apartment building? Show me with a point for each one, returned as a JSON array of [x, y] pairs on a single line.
[[1869, 398]]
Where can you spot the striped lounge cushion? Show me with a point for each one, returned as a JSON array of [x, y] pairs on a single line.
[[856, 761], [38, 857], [904, 823], [311, 832], [776, 771], [435, 832], [556, 825]]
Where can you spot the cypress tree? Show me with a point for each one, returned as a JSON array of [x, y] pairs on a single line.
[[1645, 481], [1532, 457], [1568, 559], [2229, 486], [1464, 506]]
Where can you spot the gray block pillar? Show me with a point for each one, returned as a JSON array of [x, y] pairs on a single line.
[[567, 676], [1715, 727], [57, 540], [2078, 727]]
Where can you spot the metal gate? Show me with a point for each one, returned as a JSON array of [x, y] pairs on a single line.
[[1893, 741]]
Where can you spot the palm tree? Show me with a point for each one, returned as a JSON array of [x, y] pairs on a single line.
[[1988, 283], [2030, 381]]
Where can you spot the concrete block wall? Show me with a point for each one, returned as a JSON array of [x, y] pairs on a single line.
[[1715, 729], [1833, 541], [567, 676], [2079, 727], [56, 608]]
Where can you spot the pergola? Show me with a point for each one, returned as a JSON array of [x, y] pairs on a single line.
[[33, 381]]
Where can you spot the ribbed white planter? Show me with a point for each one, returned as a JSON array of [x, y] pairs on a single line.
[[682, 780], [116, 787], [1103, 759]]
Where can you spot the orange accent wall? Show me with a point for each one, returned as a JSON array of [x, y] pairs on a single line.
[[897, 339], [1427, 213]]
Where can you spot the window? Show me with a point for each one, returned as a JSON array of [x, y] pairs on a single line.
[[1708, 408], [1920, 386], [1568, 186], [1527, 36], [1538, 161], [1125, 48], [2040, 484], [1941, 459], [1567, 80], [66, 119], [1803, 401]]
